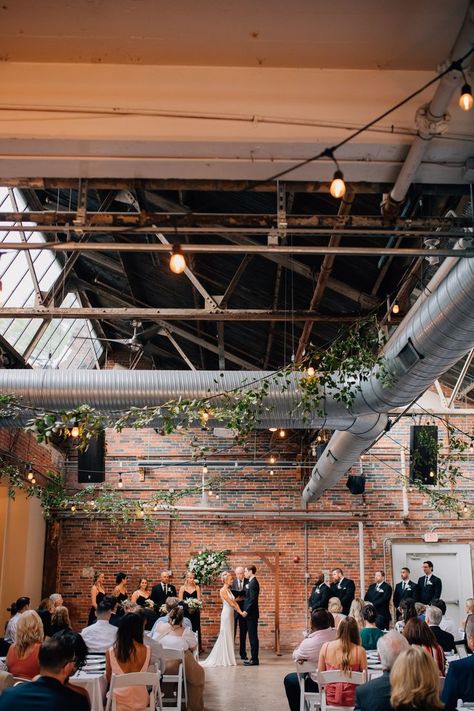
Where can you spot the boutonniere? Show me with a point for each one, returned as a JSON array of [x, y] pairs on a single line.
[[429, 582], [247, 586]]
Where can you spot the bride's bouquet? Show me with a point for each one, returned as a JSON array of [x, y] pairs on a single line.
[[193, 604]]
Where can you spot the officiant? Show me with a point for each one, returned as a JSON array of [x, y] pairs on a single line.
[[238, 591]]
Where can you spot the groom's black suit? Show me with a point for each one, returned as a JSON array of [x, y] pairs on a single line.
[[252, 590]]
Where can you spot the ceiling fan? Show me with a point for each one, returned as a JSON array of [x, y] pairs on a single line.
[[133, 342]]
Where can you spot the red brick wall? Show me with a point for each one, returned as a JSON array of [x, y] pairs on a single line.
[[263, 529]]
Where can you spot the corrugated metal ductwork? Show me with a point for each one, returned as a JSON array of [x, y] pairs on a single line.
[[424, 347]]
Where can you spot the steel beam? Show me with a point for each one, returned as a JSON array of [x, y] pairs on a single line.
[[165, 314], [228, 249]]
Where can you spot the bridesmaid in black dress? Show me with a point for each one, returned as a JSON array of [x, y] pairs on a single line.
[[120, 591], [141, 594], [140, 597], [97, 595], [191, 589]]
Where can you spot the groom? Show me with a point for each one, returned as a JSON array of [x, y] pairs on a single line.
[[250, 607]]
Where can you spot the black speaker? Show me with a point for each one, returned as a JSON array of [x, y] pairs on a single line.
[[91, 463], [424, 453], [356, 483]]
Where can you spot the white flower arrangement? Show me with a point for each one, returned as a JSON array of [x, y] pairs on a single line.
[[193, 604], [207, 564], [149, 603]]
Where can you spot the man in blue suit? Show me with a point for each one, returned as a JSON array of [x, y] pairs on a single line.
[[459, 682], [375, 695]]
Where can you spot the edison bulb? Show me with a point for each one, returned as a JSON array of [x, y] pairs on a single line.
[[310, 372], [395, 308], [465, 100], [177, 263], [75, 431], [338, 186]]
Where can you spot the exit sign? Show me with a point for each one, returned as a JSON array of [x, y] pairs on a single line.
[[431, 537]]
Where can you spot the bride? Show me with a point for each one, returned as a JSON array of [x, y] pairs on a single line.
[[222, 654]]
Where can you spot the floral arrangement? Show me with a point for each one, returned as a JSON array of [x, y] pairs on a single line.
[[149, 603], [163, 609], [193, 604], [207, 565]]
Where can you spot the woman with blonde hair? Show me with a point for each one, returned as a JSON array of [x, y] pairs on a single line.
[[345, 654], [414, 681], [335, 608], [22, 657], [357, 611]]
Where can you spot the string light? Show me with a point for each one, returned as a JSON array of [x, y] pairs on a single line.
[[282, 434], [33, 481], [310, 372], [465, 100], [75, 432], [465, 509], [120, 482], [395, 308], [73, 508], [338, 186], [272, 459], [30, 474], [177, 260], [205, 469], [432, 473], [272, 472], [272, 429]]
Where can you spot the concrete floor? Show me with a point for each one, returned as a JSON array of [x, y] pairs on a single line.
[[249, 688]]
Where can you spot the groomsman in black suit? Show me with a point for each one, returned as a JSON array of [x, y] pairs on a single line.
[[238, 591], [429, 586], [251, 611], [343, 588], [404, 590], [163, 589], [320, 594], [380, 594]]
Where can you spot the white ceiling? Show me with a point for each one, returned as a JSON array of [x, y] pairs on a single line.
[[356, 34]]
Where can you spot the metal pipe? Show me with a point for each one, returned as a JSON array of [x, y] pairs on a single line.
[[403, 472], [361, 558]]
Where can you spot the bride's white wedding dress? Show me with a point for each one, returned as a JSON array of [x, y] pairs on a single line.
[[222, 654]]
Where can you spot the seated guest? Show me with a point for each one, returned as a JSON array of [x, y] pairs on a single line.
[[433, 618], [45, 610], [129, 654], [56, 599], [182, 639], [101, 635], [415, 682], [408, 610], [156, 649], [80, 656], [375, 695], [356, 611], [418, 633], [6, 680], [370, 634], [49, 692], [171, 603], [308, 651], [335, 608], [447, 623], [420, 610], [459, 682], [21, 606], [22, 657], [344, 654], [60, 620]]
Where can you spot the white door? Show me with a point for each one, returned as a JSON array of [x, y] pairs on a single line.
[[452, 563]]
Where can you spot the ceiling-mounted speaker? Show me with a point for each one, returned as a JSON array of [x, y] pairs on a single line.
[[91, 463], [424, 453]]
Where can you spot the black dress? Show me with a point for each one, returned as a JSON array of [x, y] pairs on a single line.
[[195, 616], [92, 615]]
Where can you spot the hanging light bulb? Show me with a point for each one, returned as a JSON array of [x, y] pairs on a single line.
[[120, 482], [205, 469], [272, 459], [272, 472], [33, 481], [310, 372], [73, 508], [75, 432], [432, 474], [272, 429], [140, 513], [177, 260], [465, 100], [282, 434], [465, 509], [338, 186], [471, 445], [395, 308]]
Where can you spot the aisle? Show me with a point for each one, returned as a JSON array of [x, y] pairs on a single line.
[[249, 688]]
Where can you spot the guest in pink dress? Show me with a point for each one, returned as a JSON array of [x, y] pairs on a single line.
[[345, 654], [129, 654]]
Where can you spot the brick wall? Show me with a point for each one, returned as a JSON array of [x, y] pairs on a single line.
[[266, 526]]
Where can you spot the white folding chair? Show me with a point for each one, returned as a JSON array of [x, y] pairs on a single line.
[[147, 679], [334, 677], [309, 700], [179, 678], [196, 648], [465, 704]]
